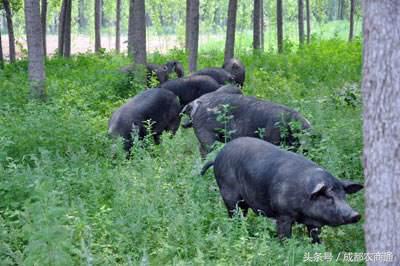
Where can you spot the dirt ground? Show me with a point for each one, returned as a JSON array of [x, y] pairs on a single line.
[[83, 43]]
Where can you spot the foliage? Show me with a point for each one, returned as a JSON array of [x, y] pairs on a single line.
[[68, 199]]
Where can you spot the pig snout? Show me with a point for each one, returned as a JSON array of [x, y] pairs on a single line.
[[354, 217]]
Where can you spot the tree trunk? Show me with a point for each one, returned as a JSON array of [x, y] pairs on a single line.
[[300, 6], [1, 51], [262, 23], [82, 19], [10, 29], [35, 49], [381, 94], [118, 27], [308, 20], [352, 8], [193, 33], [257, 12], [130, 29], [67, 29], [97, 25], [341, 9], [230, 31], [187, 26], [61, 24], [139, 32], [44, 25], [279, 25]]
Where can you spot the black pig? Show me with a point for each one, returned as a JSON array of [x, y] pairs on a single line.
[[158, 105], [249, 117], [190, 88], [283, 185]]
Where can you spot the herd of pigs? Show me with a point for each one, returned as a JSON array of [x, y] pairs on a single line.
[[251, 170]]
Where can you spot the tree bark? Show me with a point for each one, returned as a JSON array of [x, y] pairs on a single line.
[[257, 12], [230, 31], [352, 8], [262, 23], [35, 49], [118, 27], [44, 25], [139, 32], [300, 6], [1, 51], [279, 25], [67, 29], [130, 29], [381, 94], [81, 16], [187, 34], [308, 20], [193, 33], [61, 24], [10, 30], [97, 25]]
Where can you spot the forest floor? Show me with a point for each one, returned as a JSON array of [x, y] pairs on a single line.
[[68, 197]]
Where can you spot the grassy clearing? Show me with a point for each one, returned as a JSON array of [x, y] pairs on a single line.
[[65, 201]]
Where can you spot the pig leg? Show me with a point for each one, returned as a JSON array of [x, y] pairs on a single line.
[[314, 232], [206, 139], [156, 138], [232, 200], [174, 125], [284, 226]]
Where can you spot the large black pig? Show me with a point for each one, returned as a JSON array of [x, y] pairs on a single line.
[[158, 105], [283, 185], [190, 88], [249, 117]]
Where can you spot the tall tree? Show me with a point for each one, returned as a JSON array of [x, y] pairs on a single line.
[[1, 50], [352, 8], [97, 25], [35, 49], [230, 30], [381, 94], [193, 33], [118, 26], [308, 15], [81, 15], [64, 29], [257, 24], [44, 25], [137, 31], [279, 25], [300, 6], [262, 23], [10, 29], [187, 25]]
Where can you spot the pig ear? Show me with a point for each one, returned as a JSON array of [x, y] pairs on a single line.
[[318, 190], [351, 187]]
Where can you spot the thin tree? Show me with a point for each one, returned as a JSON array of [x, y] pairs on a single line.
[[193, 33], [300, 6], [262, 23], [67, 29], [97, 25], [130, 28], [10, 30], [118, 27], [1, 50], [308, 15], [35, 49], [381, 126], [137, 31], [279, 25], [230, 30], [352, 8], [257, 13], [187, 25], [64, 29], [81, 15], [44, 24]]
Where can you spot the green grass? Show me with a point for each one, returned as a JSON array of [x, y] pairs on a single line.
[[65, 200]]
